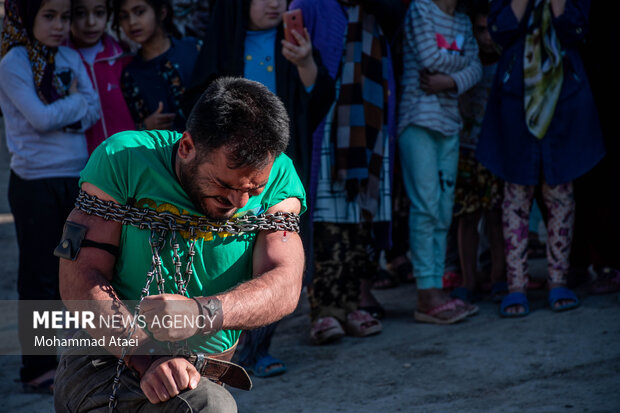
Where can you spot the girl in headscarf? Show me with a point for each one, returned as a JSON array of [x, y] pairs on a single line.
[[48, 102]]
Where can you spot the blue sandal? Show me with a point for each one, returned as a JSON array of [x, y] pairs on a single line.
[[516, 298], [562, 293], [261, 367]]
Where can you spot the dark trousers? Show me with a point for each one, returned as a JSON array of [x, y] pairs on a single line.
[[343, 256], [40, 208], [254, 344], [84, 384]]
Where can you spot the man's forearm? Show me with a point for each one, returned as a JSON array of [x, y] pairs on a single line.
[[262, 300], [91, 291], [274, 291]]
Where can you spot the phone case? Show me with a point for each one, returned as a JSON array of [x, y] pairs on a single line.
[[293, 20]]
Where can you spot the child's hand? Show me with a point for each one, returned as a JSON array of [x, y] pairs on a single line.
[[73, 89], [301, 55], [432, 83], [159, 120]]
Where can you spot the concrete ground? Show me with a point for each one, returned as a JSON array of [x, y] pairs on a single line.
[[546, 362]]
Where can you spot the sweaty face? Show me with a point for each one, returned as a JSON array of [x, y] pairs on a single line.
[[138, 20], [217, 190], [88, 22], [52, 22], [266, 14]]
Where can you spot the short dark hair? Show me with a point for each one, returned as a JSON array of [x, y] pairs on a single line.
[[242, 116]]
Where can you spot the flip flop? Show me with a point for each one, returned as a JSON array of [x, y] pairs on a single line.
[[562, 293], [431, 316], [470, 308], [261, 367], [361, 324], [516, 298], [326, 330]]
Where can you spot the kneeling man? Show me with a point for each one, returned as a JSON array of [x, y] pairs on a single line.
[[200, 226]]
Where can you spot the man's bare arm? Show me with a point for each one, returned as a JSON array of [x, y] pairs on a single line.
[[88, 276], [275, 289]]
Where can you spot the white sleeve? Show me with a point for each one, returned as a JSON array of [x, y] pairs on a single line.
[[471, 74], [16, 81], [421, 35]]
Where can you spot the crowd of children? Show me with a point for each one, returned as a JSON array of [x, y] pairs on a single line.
[[473, 107]]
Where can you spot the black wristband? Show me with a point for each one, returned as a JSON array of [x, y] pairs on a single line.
[[211, 315]]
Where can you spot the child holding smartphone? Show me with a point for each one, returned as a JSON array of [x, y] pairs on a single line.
[[252, 43]]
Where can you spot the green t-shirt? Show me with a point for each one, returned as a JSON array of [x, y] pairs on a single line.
[[135, 168]]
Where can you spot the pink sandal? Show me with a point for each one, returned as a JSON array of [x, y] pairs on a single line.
[[458, 313], [326, 330], [361, 324]]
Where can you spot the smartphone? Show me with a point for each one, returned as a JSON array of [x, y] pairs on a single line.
[[293, 20]]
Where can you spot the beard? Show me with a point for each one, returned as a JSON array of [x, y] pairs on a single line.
[[189, 182]]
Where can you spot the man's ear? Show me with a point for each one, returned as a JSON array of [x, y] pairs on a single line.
[[187, 147]]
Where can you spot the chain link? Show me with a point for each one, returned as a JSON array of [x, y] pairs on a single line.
[[176, 262], [156, 243], [144, 218], [160, 223]]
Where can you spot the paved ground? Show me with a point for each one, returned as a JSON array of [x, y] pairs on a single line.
[[547, 362]]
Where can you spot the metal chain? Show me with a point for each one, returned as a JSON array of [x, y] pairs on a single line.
[[157, 261], [160, 223], [144, 218], [176, 262], [189, 271], [156, 247]]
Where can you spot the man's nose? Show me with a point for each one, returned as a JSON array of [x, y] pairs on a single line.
[[238, 198]]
